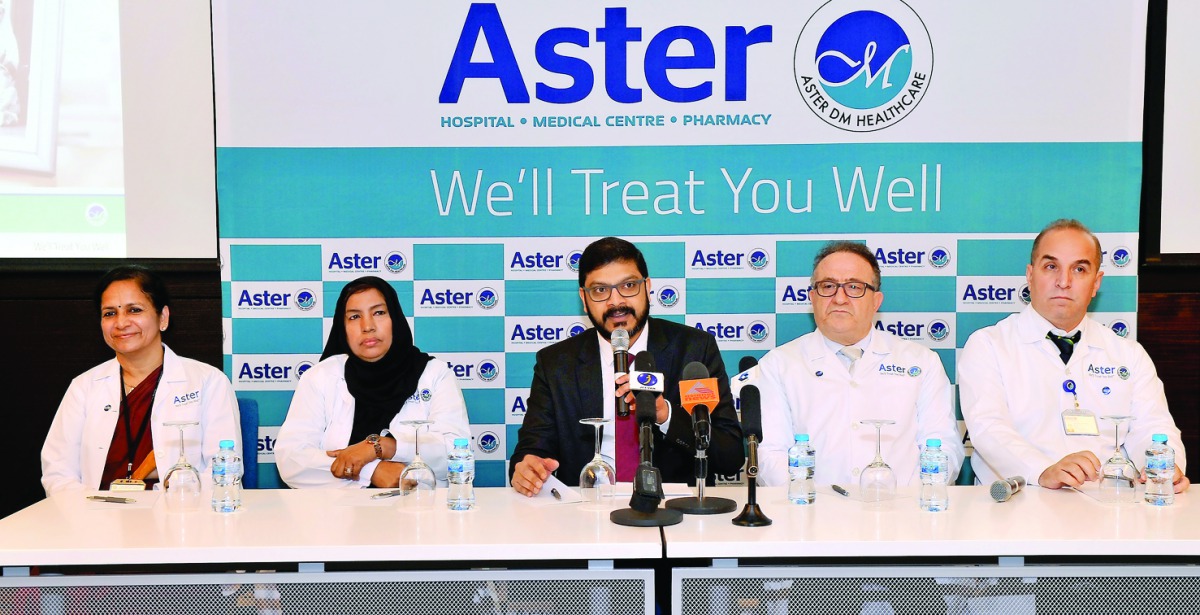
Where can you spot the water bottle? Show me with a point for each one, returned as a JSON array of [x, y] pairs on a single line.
[[802, 463], [935, 467], [460, 468], [227, 479], [1160, 472]]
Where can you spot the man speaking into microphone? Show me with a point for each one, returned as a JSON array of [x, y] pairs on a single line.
[[576, 378]]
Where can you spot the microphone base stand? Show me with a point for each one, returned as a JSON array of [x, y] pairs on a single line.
[[660, 517], [701, 505], [752, 515]]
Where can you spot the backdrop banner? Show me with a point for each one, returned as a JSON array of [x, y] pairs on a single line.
[[468, 152]]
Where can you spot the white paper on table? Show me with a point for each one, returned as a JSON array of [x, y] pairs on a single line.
[[546, 497]]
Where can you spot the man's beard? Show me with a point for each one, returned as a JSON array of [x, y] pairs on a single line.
[[639, 320]]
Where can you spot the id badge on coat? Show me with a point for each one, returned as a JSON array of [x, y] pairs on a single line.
[[1079, 422]]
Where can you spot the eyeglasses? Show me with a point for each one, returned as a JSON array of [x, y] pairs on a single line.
[[854, 290], [628, 288]]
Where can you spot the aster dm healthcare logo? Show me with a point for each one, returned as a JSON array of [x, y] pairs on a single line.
[[863, 65]]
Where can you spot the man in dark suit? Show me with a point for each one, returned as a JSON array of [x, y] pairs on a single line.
[[574, 379]]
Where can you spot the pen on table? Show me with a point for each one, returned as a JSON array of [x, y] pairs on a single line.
[[386, 494], [841, 491], [554, 492], [111, 499]]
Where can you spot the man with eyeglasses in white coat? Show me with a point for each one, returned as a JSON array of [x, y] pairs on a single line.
[[827, 382]]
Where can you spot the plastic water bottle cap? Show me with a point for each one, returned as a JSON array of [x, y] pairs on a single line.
[[1160, 437], [460, 442], [227, 444], [934, 442], [802, 437]]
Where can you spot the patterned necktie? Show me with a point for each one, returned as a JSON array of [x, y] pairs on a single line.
[[1065, 343], [627, 449], [853, 353]]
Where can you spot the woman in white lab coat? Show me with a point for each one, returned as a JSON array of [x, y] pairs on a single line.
[[342, 429], [109, 426]]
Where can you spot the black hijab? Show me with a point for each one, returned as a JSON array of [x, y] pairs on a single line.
[[380, 388]]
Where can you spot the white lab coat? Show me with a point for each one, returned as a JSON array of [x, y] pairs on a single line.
[[322, 414], [806, 389], [82, 431], [1011, 384]]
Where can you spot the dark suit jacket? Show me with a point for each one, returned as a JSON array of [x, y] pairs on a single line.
[[567, 386]]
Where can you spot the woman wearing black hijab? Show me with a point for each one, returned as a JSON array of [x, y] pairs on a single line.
[[341, 429]]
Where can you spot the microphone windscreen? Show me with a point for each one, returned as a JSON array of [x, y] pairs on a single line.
[[646, 411], [746, 363], [752, 411], [694, 371], [644, 362], [1001, 491], [619, 340]]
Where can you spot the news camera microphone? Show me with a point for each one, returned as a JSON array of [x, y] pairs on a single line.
[[752, 515], [1002, 490], [643, 511], [620, 347], [697, 394]]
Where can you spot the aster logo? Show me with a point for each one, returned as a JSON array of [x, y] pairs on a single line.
[[1123, 373], [668, 296], [96, 214], [939, 257], [488, 370], [575, 329], [573, 260], [487, 298], [939, 330], [759, 259], [396, 262], [1120, 328], [306, 299], [1121, 256], [426, 395], [1024, 295], [302, 367], [758, 331], [914, 371], [488, 442], [863, 65]]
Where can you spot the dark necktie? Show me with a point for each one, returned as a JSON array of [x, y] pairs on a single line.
[[1065, 343]]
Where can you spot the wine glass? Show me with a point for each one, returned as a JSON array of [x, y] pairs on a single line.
[[417, 482], [182, 482], [877, 481], [1118, 476], [597, 478]]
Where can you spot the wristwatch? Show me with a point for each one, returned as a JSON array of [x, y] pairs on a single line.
[[374, 440]]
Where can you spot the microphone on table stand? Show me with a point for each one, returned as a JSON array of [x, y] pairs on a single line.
[[752, 515], [644, 510], [698, 393]]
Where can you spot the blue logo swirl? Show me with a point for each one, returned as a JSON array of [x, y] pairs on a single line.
[[573, 260], [396, 262], [488, 442], [302, 367], [426, 395], [487, 298], [1121, 257], [914, 371], [576, 329], [1024, 295], [647, 379], [668, 296], [1120, 328], [305, 299], [488, 370], [759, 259], [864, 59], [758, 331], [938, 330], [939, 257]]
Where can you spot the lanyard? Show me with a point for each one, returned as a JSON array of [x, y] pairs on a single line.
[[1069, 387], [134, 443]]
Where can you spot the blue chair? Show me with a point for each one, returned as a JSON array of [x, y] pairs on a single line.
[[248, 408]]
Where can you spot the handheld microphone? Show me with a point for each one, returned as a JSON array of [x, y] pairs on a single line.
[[620, 346], [752, 515], [643, 508], [1002, 490], [697, 394]]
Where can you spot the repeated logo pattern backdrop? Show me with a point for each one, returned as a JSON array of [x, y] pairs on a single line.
[[470, 160]]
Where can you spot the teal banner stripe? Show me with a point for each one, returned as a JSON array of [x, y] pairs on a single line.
[[226, 300], [970, 322], [277, 336], [490, 473], [1117, 294], [520, 369], [918, 294], [484, 406], [295, 192], [791, 326], [331, 290], [459, 333], [259, 263], [272, 405], [795, 258], [947, 357], [994, 256], [664, 259], [730, 295], [458, 261], [268, 477], [227, 365], [510, 439], [542, 298]]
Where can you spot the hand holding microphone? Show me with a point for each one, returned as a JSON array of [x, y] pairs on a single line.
[[620, 346], [1004, 489]]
